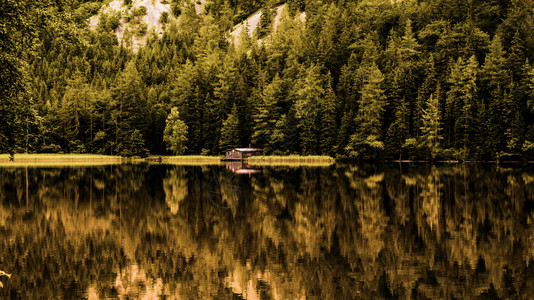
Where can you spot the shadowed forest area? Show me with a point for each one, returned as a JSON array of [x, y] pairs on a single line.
[[443, 79], [331, 233]]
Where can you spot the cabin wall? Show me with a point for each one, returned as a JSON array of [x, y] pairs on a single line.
[[233, 155], [238, 155]]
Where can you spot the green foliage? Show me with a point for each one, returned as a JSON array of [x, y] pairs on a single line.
[[175, 134], [164, 18], [109, 21], [366, 142], [138, 11], [348, 79], [176, 9], [430, 130], [141, 29], [230, 131], [134, 146]]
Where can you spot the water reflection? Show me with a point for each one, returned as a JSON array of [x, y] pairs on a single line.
[[204, 232], [242, 167]]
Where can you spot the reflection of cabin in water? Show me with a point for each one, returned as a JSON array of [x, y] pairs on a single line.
[[241, 167], [242, 153]]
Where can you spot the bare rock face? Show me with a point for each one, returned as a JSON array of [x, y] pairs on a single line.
[[133, 28], [144, 16]]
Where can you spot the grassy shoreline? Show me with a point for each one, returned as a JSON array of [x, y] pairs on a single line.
[[58, 160], [52, 160], [291, 160], [184, 160]]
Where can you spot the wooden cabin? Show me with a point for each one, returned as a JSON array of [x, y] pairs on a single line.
[[242, 153]]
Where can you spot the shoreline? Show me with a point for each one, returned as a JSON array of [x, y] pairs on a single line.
[[291, 160], [45, 159]]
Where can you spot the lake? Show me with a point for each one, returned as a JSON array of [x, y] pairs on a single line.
[[199, 232]]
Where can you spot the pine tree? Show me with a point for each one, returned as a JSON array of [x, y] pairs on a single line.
[[75, 109], [268, 113], [135, 145], [328, 120], [430, 130], [461, 105], [309, 94], [495, 79], [398, 130], [175, 134], [366, 142], [465, 125], [130, 106], [230, 131]]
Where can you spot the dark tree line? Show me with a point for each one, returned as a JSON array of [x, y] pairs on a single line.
[[442, 79]]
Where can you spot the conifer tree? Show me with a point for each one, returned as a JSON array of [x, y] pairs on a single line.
[[328, 120], [175, 134], [461, 105], [430, 130], [268, 113], [75, 110], [130, 106], [398, 130], [230, 131], [366, 142], [309, 94]]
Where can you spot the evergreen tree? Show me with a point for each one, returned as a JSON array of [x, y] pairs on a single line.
[[309, 93], [230, 131], [461, 105], [398, 130], [268, 113], [130, 107], [328, 120], [134, 145], [175, 134], [430, 130], [366, 142]]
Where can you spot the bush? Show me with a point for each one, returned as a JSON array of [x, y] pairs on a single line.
[[109, 22], [164, 18], [176, 10], [141, 29], [138, 12]]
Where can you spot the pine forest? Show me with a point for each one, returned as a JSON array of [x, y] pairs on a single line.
[[361, 80]]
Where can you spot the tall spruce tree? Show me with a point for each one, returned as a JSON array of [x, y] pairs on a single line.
[[398, 130], [130, 107], [268, 114], [230, 131], [175, 134], [366, 142], [430, 129], [328, 128], [309, 93]]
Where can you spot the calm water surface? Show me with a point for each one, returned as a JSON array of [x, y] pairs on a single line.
[[339, 232]]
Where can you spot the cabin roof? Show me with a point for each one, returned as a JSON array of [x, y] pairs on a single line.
[[247, 149]]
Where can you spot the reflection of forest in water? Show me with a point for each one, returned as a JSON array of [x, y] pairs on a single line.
[[200, 232]]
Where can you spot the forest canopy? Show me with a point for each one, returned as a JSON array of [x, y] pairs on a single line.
[[442, 79]]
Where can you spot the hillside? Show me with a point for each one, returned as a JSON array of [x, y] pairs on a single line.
[[138, 19], [366, 80], [144, 16]]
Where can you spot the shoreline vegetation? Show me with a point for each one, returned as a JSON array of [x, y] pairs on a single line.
[[291, 160], [51, 160], [57, 160]]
